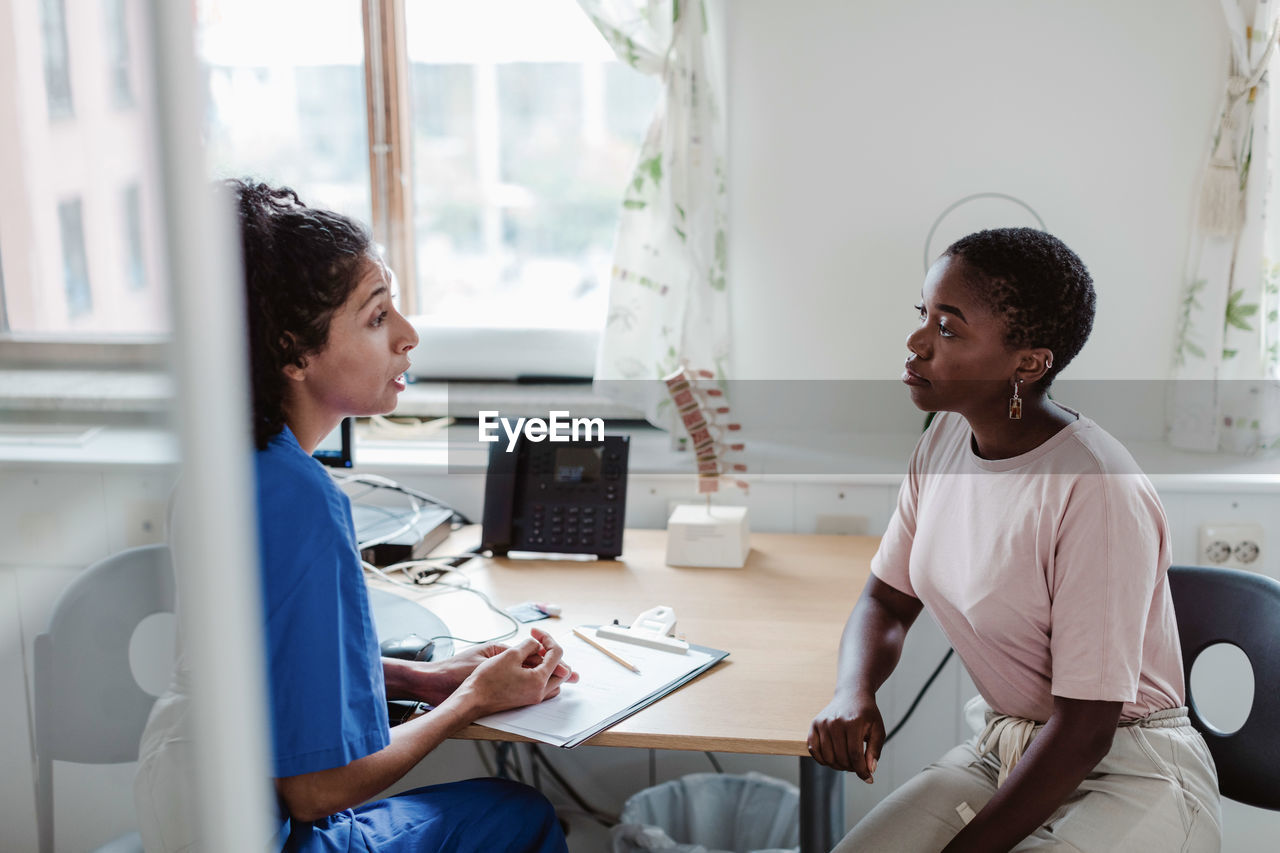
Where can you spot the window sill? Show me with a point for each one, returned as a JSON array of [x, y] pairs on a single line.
[[85, 391], [793, 457], [465, 399], [788, 455], [36, 390]]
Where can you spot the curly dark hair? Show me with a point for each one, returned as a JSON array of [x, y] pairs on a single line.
[[300, 265], [1037, 284]]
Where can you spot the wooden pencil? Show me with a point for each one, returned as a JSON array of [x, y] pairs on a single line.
[[594, 642]]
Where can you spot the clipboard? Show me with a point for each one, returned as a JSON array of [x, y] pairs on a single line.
[[606, 693]]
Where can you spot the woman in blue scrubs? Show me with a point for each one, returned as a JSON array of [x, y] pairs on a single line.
[[326, 342]]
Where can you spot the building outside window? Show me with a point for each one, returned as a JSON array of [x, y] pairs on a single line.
[[75, 264], [89, 273]]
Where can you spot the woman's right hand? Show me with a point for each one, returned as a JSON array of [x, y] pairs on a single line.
[[848, 735], [525, 674]]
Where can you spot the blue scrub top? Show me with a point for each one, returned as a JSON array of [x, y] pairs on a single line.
[[328, 699]]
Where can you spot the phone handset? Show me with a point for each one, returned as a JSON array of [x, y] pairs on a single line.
[[500, 497]]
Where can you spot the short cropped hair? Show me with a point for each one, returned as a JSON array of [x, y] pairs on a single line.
[[300, 265], [1039, 286]]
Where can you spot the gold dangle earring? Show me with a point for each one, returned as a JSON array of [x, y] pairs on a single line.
[[1015, 404]]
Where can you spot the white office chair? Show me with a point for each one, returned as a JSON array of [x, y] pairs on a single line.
[[89, 708]]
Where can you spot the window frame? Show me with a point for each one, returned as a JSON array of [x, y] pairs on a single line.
[[386, 72], [19, 350]]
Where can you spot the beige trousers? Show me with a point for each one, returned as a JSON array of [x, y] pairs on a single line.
[[1156, 791]]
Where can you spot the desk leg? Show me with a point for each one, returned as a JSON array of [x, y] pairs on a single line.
[[821, 807]]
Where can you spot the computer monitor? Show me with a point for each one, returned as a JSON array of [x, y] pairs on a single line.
[[334, 449]]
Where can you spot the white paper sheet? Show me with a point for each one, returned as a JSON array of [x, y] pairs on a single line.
[[605, 692]]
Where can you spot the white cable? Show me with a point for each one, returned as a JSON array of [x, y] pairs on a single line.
[[370, 567], [387, 483], [515, 623], [404, 528]]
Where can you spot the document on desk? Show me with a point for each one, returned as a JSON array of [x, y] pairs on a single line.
[[605, 692]]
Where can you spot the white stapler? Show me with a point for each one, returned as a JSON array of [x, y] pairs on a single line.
[[651, 628]]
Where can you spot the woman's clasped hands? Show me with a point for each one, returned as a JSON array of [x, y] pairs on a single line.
[[511, 677]]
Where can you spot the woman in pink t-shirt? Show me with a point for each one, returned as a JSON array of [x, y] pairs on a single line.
[[1041, 550]]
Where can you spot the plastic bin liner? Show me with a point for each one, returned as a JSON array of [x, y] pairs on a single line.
[[712, 813]]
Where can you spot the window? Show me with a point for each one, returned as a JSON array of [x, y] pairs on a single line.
[[524, 137], [520, 139], [135, 274], [75, 266], [514, 126], [287, 97], [57, 71], [117, 38]]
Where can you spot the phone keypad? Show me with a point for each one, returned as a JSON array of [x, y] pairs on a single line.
[[567, 526]]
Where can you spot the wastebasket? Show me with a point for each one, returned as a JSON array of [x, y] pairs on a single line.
[[712, 813]]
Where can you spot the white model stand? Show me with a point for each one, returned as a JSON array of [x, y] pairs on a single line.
[[708, 535]]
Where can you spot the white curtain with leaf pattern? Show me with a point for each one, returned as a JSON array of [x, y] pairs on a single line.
[[667, 302], [1226, 393]]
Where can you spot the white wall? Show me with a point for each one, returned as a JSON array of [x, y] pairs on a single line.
[[851, 126]]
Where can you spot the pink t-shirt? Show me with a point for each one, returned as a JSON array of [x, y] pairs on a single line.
[[1046, 571]]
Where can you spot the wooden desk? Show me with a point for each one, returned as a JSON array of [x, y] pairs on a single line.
[[780, 617]]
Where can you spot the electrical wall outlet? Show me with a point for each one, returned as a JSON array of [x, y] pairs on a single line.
[[145, 523], [1235, 545]]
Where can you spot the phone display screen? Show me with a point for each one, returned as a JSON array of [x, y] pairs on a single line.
[[578, 464]]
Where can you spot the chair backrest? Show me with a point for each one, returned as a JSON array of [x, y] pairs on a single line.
[[1243, 609], [89, 707]]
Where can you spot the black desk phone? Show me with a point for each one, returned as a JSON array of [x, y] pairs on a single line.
[[567, 497]]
